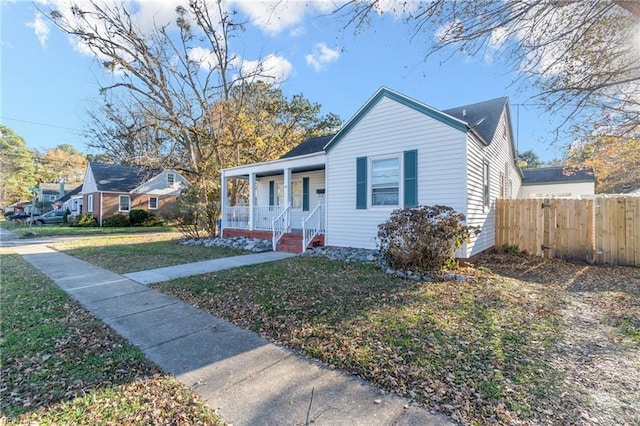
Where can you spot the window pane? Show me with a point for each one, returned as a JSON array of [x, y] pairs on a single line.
[[385, 182], [296, 195], [170, 179], [124, 203], [153, 202]]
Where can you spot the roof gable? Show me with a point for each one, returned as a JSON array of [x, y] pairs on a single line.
[[117, 178], [556, 175], [384, 92], [482, 117]]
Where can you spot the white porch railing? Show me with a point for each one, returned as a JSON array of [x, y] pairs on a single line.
[[281, 225], [238, 217], [312, 225], [263, 217]]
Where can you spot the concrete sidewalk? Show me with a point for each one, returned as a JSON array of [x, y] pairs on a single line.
[[245, 378], [180, 271]]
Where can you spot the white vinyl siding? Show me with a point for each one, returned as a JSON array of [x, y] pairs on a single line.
[[391, 128], [160, 185], [502, 173]]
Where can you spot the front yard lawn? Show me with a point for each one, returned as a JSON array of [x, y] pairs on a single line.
[[61, 365], [131, 253], [495, 349], [55, 230]]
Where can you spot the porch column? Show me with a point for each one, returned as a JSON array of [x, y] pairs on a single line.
[[223, 202], [252, 199], [287, 187], [287, 192]]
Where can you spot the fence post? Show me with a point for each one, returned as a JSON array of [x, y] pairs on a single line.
[[546, 221]]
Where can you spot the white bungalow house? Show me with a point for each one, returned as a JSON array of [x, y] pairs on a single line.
[[394, 152]]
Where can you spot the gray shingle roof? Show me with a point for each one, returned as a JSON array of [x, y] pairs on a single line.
[[67, 195], [483, 117], [309, 146], [117, 178], [556, 174]]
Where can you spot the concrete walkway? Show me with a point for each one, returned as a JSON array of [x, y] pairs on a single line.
[[245, 378], [180, 271]]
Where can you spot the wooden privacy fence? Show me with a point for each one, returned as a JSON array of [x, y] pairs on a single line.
[[600, 230]]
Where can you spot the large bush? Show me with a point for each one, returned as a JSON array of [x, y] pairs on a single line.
[[138, 216], [193, 218], [85, 220], [154, 221], [424, 238], [116, 220]]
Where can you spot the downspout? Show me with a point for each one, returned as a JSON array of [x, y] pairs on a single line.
[[101, 209]]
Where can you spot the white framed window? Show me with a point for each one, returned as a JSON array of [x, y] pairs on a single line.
[[125, 203], [153, 203], [296, 194], [485, 186], [171, 179], [385, 181], [90, 203]]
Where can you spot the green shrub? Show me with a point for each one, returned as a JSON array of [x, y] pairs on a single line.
[[511, 249], [116, 220], [154, 221], [65, 216], [85, 220], [424, 238], [138, 216]]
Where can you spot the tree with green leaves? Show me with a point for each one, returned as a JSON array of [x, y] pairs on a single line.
[[529, 160], [17, 166], [582, 56]]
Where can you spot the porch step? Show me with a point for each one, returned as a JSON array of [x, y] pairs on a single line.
[[292, 242]]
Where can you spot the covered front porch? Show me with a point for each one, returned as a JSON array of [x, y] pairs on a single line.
[[281, 199]]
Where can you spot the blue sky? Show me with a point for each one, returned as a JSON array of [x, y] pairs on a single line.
[[47, 83]]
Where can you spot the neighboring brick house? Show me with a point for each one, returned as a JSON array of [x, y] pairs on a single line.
[[112, 188]]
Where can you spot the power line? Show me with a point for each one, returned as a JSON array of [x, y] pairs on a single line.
[[42, 124]]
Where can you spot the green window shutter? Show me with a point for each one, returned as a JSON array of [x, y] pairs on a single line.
[[411, 178], [305, 194], [361, 183], [272, 191]]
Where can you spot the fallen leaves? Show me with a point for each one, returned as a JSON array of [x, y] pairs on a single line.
[[61, 365], [479, 351]]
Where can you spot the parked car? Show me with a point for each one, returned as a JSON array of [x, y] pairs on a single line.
[[18, 216], [54, 216]]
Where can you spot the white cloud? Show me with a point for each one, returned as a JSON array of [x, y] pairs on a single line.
[[321, 56], [40, 28], [272, 69], [274, 16], [203, 56]]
